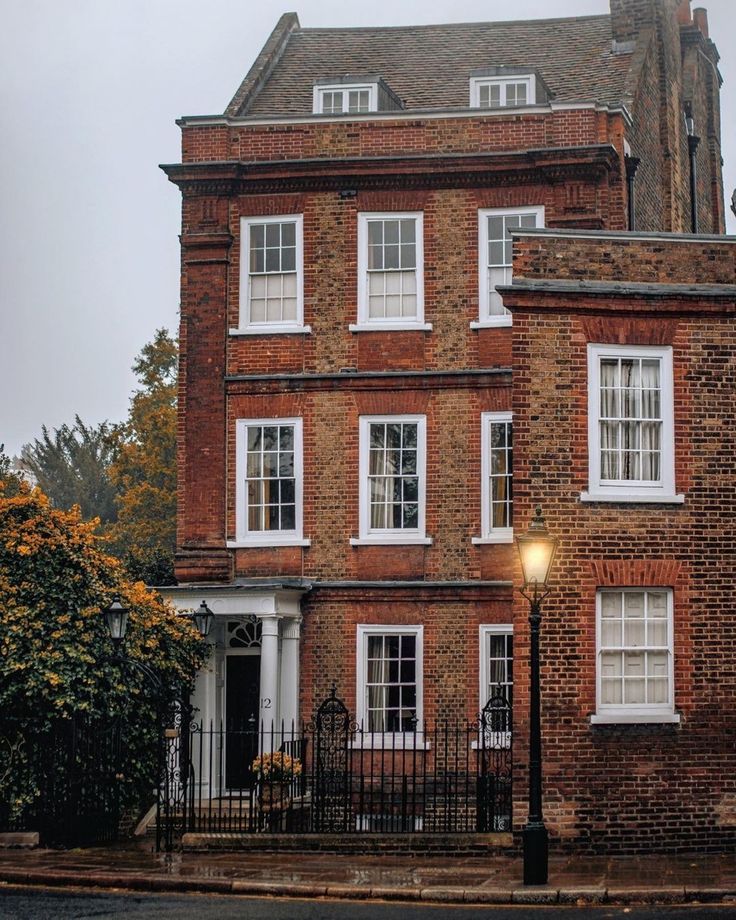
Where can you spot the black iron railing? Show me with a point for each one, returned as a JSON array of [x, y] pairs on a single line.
[[335, 776], [63, 782]]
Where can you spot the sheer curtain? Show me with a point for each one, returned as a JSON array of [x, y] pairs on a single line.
[[651, 434], [609, 425]]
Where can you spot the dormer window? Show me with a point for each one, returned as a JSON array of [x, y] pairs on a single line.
[[502, 92], [345, 99]]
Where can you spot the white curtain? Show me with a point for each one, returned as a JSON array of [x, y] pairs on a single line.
[[651, 434], [609, 426]]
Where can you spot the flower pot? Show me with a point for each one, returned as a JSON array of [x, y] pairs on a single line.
[[274, 797]]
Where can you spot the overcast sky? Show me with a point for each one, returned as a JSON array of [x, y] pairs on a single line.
[[89, 92]]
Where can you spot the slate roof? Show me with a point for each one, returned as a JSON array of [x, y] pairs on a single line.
[[429, 67]]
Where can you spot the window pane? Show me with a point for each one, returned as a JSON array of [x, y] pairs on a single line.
[[634, 633], [273, 260], [411, 490], [496, 252], [287, 492], [255, 492], [410, 519], [611, 633], [288, 259], [391, 256], [633, 604]]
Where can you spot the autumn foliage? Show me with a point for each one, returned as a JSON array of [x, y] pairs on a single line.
[[56, 660]]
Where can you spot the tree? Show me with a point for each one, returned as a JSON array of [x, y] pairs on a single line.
[[72, 464], [144, 470], [57, 662], [11, 479]]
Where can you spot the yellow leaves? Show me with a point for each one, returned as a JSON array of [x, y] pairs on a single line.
[[23, 549]]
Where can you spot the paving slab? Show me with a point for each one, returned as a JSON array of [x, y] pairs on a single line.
[[453, 878]]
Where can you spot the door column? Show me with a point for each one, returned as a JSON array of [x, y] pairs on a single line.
[[290, 633], [269, 703]]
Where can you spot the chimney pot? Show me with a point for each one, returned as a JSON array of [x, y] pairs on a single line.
[[700, 18], [684, 14]]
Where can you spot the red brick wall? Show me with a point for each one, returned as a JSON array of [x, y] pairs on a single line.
[[451, 621], [343, 138], [614, 787], [330, 281], [331, 484]]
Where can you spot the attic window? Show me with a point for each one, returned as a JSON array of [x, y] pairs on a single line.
[[502, 92], [345, 98]]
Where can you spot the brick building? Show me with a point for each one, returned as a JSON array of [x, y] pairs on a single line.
[[350, 379]]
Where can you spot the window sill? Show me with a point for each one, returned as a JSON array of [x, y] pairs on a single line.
[[631, 718], [499, 323], [271, 330], [390, 742], [390, 540], [503, 536], [653, 498], [390, 327], [267, 541]]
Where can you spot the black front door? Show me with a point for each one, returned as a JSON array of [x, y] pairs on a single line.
[[242, 691]]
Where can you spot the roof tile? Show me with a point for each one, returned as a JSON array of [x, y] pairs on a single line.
[[429, 66]]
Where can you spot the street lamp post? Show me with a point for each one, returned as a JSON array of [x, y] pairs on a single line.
[[536, 551]]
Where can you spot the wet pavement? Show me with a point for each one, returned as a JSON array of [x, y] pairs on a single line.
[[452, 879]]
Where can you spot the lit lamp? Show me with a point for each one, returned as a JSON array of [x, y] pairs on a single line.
[[203, 618], [116, 617], [537, 549]]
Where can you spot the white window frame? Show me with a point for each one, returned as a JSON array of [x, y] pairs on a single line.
[[388, 740], [485, 631], [243, 536], [502, 82], [634, 490], [487, 319], [369, 536], [629, 713], [366, 322], [490, 534], [345, 88], [246, 326]]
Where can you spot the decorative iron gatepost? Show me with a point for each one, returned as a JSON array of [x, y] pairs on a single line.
[[332, 768], [174, 808], [493, 810]]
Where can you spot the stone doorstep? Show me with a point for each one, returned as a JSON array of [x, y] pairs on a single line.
[[453, 844], [19, 839]]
